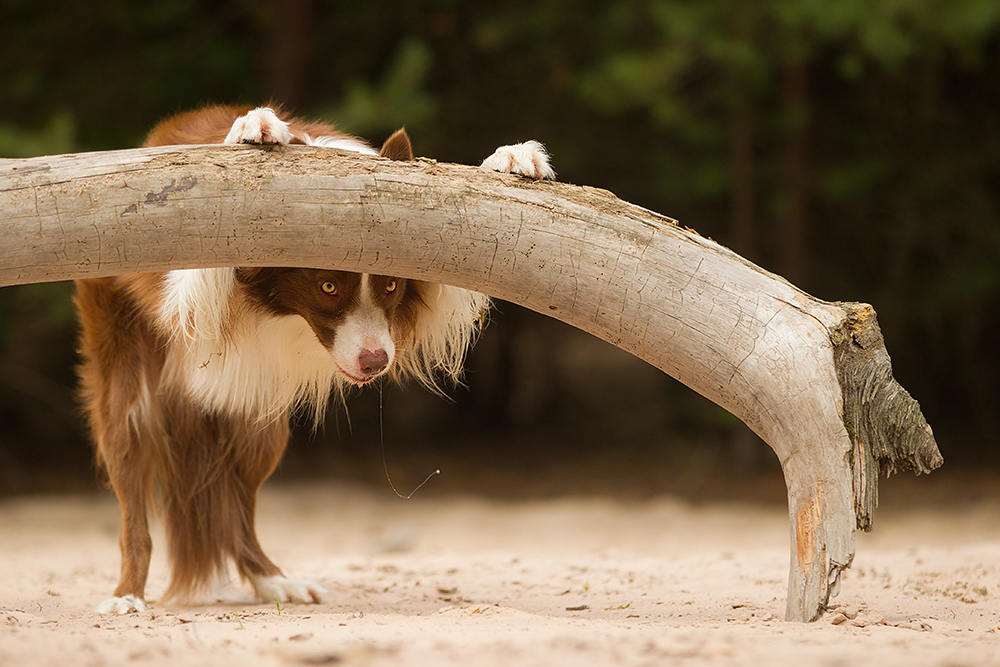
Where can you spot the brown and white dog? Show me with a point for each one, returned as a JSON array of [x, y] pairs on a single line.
[[189, 376]]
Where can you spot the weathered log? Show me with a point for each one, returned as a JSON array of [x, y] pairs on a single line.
[[812, 378]]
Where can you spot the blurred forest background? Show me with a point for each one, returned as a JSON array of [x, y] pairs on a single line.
[[852, 146]]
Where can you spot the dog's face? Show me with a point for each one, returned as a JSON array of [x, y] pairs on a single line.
[[361, 319]]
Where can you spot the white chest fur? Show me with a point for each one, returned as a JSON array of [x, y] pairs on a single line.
[[236, 360]]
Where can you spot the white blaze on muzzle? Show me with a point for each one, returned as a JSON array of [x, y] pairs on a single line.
[[363, 348]]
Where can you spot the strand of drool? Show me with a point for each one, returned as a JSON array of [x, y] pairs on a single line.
[[385, 465]]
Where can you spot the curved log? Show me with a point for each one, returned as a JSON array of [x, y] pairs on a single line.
[[812, 378]]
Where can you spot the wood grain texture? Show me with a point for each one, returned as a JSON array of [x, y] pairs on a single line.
[[784, 362]]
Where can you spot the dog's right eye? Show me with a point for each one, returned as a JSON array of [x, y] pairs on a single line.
[[329, 288]]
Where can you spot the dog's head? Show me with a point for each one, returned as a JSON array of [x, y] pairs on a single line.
[[363, 320]]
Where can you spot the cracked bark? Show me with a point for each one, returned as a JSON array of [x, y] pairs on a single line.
[[812, 378]]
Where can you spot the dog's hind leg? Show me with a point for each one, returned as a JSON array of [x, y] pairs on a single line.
[[255, 464]]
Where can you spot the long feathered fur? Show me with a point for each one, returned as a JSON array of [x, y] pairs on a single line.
[[235, 360]]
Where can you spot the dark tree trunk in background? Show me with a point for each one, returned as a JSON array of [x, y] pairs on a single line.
[[741, 163], [286, 65], [792, 237]]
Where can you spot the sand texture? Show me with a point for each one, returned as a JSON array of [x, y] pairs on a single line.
[[462, 580]]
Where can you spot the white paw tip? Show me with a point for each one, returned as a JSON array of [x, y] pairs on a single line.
[[128, 604], [528, 159], [282, 589], [260, 126]]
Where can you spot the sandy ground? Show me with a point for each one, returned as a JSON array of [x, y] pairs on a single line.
[[468, 581]]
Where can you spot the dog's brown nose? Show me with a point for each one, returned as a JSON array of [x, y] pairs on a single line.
[[372, 362]]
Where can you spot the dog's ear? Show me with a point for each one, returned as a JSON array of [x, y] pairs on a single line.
[[256, 275], [398, 147]]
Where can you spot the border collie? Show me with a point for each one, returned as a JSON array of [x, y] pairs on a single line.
[[189, 376]]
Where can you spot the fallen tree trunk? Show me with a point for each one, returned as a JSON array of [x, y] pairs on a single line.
[[812, 378]]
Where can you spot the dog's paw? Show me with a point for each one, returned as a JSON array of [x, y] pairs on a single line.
[[260, 126], [282, 589], [528, 159], [128, 604]]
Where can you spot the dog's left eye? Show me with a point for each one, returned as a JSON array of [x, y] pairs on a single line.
[[390, 287], [329, 288]]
